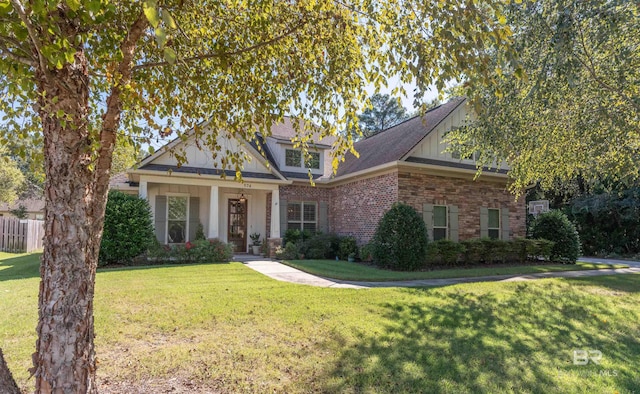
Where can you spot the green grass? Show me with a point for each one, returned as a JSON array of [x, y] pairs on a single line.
[[359, 272], [226, 328]]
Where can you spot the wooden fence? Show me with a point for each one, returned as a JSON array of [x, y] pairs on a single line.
[[19, 235]]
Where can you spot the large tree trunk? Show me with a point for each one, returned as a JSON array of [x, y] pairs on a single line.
[[65, 359], [7, 384], [77, 165]]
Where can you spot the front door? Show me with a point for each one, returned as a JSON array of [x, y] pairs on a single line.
[[237, 225]]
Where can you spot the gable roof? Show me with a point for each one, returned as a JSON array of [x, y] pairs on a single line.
[[285, 131], [396, 142], [252, 147]]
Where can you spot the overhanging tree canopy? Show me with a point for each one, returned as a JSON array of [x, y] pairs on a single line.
[[76, 73], [570, 106]]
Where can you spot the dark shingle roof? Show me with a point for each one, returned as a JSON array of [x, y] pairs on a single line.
[[394, 143], [205, 171]]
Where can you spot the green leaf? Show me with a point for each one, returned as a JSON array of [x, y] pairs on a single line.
[[150, 8], [74, 5], [170, 55], [168, 20], [161, 36]]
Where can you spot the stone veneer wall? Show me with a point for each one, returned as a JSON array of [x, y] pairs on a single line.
[[417, 189], [356, 207]]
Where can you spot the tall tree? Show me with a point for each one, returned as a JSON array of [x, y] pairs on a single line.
[[11, 178], [383, 112], [124, 156], [569, 107], [74, 73]]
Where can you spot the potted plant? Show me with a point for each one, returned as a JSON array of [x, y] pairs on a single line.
[[351, 257], [264, 249], [255, 238]]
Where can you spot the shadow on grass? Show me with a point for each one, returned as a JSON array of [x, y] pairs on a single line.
[[21, 266], [626, 283], [521, 340]]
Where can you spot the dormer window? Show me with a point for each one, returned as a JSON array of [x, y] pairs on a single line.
[[293, 158], [314, 161]]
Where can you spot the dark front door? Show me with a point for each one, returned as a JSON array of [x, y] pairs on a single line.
[[237, 225]]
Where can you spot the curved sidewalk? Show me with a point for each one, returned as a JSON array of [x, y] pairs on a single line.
[[285, 273]]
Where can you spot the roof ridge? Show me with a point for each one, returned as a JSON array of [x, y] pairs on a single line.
[[408, 119]]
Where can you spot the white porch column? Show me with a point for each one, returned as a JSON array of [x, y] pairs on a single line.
[[275, 214], [142, 189], [214, 199]]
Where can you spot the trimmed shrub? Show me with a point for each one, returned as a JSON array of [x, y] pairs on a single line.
[[289, 252], [128, 229], [348, 246], [473, 251], [555, 226], [319, 246], [295, 235], [400, 241], [542, 248], [366, 252], [444, 252], [201, 251]]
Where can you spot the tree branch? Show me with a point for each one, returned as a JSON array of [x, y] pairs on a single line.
[[111, 118], [20, 59], [224, 54], [590, 66], [12, 42], [32, 34]]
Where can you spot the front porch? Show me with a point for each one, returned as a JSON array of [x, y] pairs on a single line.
[[185, 208]]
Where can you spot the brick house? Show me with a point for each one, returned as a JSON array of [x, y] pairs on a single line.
[[405, 163]]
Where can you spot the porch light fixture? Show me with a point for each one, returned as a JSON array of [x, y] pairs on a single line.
[[242, 198]]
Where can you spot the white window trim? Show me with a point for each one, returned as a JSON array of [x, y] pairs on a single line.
[[446, 216], [302, 221], [302, 161], [166, 232], [499, 228]]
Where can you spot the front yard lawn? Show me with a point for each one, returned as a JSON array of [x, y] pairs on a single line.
[[225, 328], [360, 272]]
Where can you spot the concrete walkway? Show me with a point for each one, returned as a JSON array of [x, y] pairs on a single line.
[[284, 273]]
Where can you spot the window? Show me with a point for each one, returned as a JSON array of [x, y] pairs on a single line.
[[177, 219], [494, 223], [302, 216], [440, 222], [293, 158], [314, 161]]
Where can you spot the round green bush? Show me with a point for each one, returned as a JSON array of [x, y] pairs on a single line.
[[555, 226], [400, 241], [128, 228]]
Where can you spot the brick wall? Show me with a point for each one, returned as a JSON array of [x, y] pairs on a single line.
[[416, 189], [305, 193], [356, 207]]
